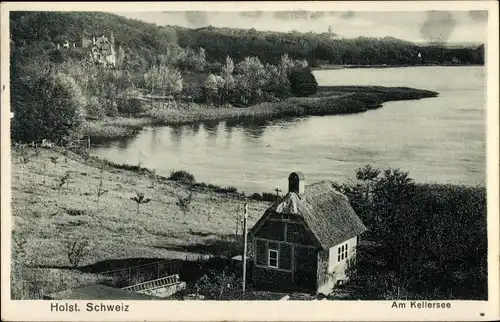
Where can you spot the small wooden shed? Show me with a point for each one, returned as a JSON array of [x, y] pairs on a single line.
[[306, 240]]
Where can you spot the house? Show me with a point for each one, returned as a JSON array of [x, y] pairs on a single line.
[[86, 43], [306, 240], [103, 51]]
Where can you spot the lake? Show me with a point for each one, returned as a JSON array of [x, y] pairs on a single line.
[[438, 139]]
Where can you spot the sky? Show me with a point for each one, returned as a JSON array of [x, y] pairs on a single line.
[[415, 26]]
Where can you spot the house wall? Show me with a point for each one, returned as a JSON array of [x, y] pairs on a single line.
[[291, 230], [272, 278], [334, 265], [330, 269], [294, 242], [111, 59]]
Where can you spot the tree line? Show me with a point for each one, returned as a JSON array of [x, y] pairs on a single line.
[[142, 42], [424, 241]]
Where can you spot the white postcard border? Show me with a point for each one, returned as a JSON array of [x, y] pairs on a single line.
[[265, 310]]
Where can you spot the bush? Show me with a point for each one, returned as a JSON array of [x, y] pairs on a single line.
[[49, 106], [94, 109], [77, 250], [185, 202], [220, 286], [229, 189], [193, 92], [130, 107], [267, 196], [256, 196], [182, 176], [303, 82]]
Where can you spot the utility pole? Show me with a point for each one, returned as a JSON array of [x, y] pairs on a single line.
[[278, 190], [245, 217]]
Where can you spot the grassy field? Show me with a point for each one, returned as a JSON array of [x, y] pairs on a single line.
[[329, 100], [46, 216]]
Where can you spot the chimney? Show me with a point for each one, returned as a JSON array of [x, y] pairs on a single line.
[[296, 182]]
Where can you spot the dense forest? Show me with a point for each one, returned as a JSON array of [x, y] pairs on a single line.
[[322, 48], [144, 42]]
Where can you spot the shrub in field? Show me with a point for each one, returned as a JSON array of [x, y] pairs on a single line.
[[182, 176], [229, 189], [256, 196], [303, 82], [140, 199], [54, 160], [77, 250], [185, 202], [267, 196], [64, 180], [100, 191]]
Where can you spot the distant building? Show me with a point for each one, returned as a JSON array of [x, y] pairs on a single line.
[[306, 240], [86, 43], [65, 44], [103, 51], [331, 34]]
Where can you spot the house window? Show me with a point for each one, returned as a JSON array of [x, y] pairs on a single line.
[[342, 252], [273, 258]]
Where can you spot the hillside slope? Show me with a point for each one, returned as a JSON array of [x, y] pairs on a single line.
[[46, 217]]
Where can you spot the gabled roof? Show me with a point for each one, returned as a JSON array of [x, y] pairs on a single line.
[[327, 213], [103, 45]]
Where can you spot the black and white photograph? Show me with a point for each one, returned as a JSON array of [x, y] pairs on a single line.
[[255, 153]]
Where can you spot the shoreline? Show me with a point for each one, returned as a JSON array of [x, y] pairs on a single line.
[[329, 100], [339, 67]]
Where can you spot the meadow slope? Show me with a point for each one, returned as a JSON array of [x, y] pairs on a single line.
[[46, 216]]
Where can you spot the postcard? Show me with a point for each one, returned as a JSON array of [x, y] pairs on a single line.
[[250, 161]]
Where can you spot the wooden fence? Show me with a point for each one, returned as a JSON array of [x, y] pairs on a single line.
[[154, 284], [127, 276], [77, 143]]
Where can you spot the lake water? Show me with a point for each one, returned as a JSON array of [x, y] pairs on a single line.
[[438, 139]]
